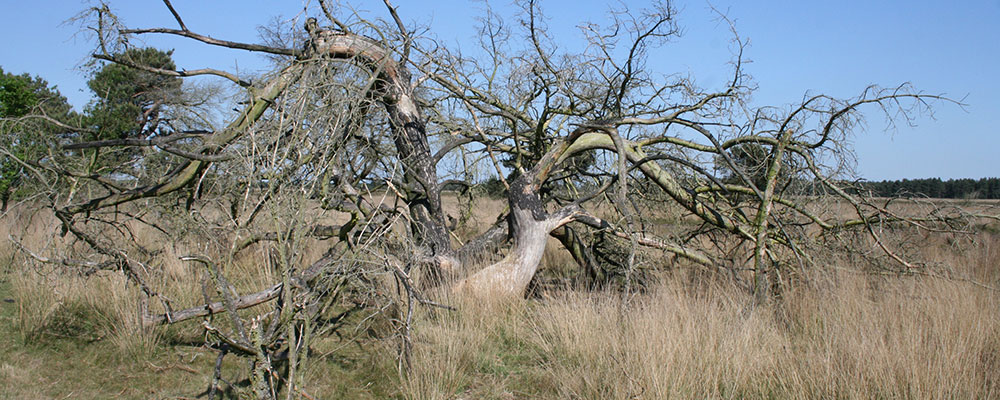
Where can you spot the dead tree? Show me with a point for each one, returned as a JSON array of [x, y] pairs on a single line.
[[531, 114], [359, 118]]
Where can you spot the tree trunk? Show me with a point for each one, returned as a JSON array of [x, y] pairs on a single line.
[[530, 226], [422, 191]]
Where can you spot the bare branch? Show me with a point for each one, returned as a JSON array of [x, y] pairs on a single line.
[[224, 289], [166, 72], [176, 15], [405, 56], [216, 42], [332, 18], [89, 267], [238, 303]]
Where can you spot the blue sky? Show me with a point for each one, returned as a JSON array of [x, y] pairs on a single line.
[[797, 47]]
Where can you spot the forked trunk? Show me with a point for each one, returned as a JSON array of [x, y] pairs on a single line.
[[530, 228]]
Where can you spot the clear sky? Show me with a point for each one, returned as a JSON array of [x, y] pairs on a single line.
[[797, 47]]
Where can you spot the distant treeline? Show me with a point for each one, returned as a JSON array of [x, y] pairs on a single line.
[[985, 188]]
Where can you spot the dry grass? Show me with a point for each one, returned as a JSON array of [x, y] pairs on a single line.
[[856, 337], [846, 334]]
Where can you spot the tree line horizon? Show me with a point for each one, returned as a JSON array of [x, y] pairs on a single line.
[[961, 188]]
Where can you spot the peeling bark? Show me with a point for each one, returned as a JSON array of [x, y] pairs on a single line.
[[530, 227]]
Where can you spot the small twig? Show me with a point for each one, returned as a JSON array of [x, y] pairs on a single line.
[[91, 266], [180, 367], [412, 290]]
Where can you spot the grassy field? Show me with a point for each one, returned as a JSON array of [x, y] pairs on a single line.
[[845, 334]]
